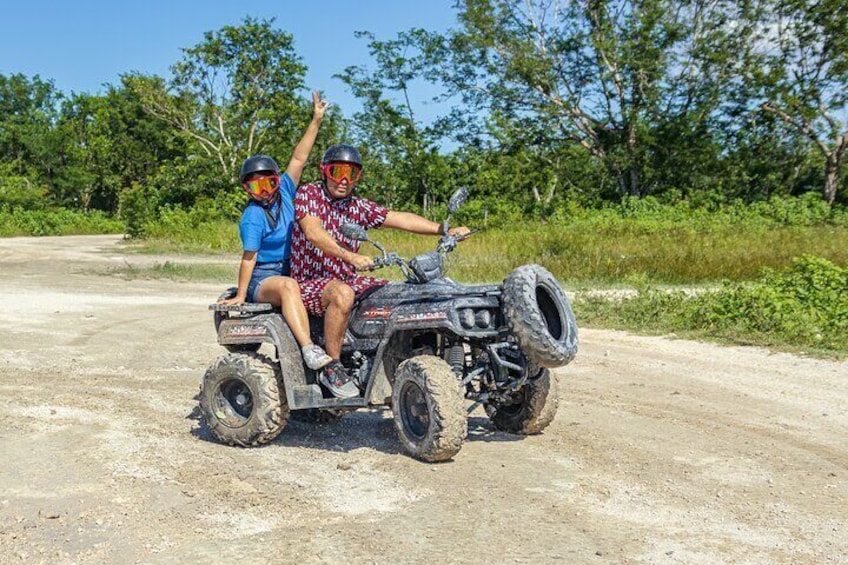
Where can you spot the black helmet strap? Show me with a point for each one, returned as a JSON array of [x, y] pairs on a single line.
[[273, 219]]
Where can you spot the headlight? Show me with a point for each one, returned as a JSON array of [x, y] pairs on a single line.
[[483, 318], [466, 318]]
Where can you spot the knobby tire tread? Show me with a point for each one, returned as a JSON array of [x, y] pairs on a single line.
[[536, 412], [525, 320], [271, 411], [448, 418]]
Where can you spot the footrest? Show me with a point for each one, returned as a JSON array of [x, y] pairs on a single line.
[[310, 396]]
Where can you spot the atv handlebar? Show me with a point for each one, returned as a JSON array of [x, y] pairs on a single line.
[[448, 242], [426, 266], [389, 260]]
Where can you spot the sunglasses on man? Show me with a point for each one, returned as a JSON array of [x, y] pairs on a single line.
[[341, 171]]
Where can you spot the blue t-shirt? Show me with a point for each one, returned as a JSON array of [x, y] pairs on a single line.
[[256, 233]]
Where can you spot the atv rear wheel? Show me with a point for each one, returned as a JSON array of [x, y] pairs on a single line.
[[428, 409], [532, 410], [539, 314], [242, 399]]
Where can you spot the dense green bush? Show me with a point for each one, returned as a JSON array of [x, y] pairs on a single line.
[[804, 307], [181, 231], [19, 192], [807, 305], [651, 214], [16, 221], [806, 210], [136, 210]]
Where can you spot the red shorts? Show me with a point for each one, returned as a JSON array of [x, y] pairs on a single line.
[[311, 290]]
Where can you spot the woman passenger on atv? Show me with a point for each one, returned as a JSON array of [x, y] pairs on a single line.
[[266, 230]]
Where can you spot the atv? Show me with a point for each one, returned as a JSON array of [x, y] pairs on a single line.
[[430, 348]]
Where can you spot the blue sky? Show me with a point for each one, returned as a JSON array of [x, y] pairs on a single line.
[[85, 44]]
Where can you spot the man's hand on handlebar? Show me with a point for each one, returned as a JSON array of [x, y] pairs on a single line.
[[460, 232], [361, 262], [453, 237], [391, 259]]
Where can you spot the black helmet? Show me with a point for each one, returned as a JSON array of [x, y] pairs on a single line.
[[256, 164], [342, 153]]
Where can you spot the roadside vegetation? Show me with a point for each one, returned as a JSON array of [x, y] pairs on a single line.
[[638, 240], [767, 275], [16, 221], [176, 271], [803, 309]]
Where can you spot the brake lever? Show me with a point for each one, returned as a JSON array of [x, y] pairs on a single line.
[[469, 234], [448, 242]]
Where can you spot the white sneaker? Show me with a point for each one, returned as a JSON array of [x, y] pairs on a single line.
[[315, 357], [335, 378]]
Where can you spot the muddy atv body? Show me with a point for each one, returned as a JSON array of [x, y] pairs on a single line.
[[430, 348]]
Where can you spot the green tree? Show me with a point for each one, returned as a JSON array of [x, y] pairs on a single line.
[[108, 142], [522, 168], [762, 158], [28, 113], [232, 95], [611, 76], [401, 153], [799, 68]]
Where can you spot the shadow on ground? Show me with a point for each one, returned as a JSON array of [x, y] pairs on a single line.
[[372, 427]]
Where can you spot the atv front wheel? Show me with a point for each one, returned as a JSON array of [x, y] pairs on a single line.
[[242, 399], [428, 409], [532, 409], [539, 314]]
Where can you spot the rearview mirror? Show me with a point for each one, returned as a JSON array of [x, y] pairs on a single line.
[[457, 199]]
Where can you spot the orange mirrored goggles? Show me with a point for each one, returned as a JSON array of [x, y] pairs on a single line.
[[340, 171], [262, 187]]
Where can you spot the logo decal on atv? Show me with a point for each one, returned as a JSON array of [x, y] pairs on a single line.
[[246, 331], [423, 317], [377, 313]]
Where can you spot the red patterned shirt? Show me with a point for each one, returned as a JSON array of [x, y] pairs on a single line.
[[309, 262]]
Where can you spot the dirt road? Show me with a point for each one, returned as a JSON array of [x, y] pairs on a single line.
[[663, 451]]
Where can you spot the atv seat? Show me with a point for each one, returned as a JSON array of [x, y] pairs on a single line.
[[240, 310]]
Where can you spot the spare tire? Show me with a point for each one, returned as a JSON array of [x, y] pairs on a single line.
[[539, 314]]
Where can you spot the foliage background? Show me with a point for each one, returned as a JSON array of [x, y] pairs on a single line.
[[556, 106]]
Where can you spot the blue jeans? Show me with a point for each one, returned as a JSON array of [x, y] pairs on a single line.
[[261, 272]]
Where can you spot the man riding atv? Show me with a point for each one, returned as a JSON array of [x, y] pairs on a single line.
[[325, 261]]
